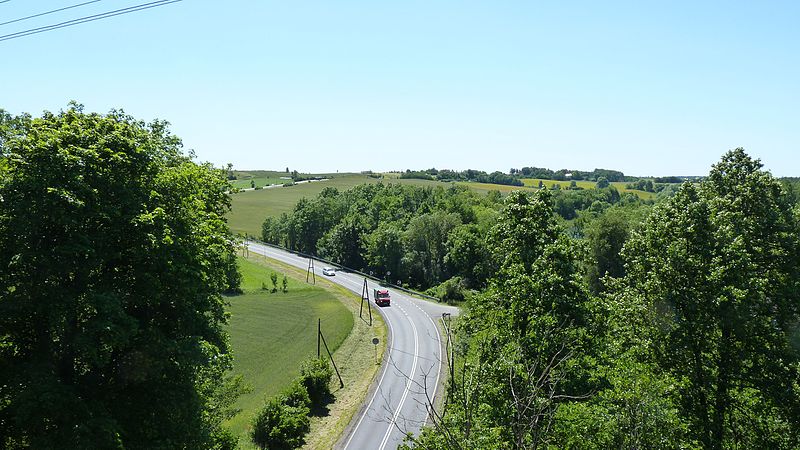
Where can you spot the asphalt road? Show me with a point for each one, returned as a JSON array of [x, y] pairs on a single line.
[[410, 376]]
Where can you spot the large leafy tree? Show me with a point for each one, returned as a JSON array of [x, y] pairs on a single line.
[[114, 251], [523, 343], [717, 270]]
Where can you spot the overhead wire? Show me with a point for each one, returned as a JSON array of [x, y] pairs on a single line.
[[85, 19], [46, 12]]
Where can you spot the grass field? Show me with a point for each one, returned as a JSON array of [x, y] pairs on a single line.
[[272, 333], [620, 185], [250, 208]]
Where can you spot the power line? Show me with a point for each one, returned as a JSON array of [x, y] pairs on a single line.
[[85, 19], [46, 12]]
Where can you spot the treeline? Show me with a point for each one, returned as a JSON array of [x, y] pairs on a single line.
[[514, 177], [566, 174], [466, 175], [412, 235], [691, 338], [422, 237]]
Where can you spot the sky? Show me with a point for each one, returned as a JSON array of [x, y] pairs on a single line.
[[648, 88]]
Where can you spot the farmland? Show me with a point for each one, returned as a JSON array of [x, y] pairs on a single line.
[[250, 208]]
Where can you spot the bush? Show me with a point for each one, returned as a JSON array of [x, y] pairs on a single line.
[[452, 290], [315, 375], [296, 396], [280, 426]]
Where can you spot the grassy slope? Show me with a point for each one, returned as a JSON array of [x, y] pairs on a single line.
[[620, 185], [250, 208], [272, 333]]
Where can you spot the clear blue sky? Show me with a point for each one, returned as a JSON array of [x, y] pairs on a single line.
[[649, 88]]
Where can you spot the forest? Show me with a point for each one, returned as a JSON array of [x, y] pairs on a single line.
[[593, 319]]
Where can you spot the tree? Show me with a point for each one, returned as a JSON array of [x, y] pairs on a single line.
[[114, 251], [522, 343], [602, 182], [605, 237], [715, 271], [273, 277], [280, 426], [284, 282], [425, 246]]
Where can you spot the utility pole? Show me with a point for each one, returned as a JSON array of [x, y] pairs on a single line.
[[310, 271], [330, 356], [449, 344], [365, 296]]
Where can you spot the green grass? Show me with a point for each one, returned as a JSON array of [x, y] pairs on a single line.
[[250, 208], [272, 333], [620, 185], [246, 183]]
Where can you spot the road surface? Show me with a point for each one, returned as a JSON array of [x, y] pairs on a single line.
[[396, 403]]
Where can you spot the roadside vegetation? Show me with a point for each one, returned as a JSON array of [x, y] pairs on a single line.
[[273, 333], [690, 340], [594, 318]]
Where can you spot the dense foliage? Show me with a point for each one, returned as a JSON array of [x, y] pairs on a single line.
[[114, 251], [430, 238], [692, 339], [283, 422]]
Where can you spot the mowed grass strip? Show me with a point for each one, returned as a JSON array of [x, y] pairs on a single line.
[[355, 355], [272, 333]]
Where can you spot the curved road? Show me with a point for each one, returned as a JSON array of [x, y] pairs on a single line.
[[410, 376]]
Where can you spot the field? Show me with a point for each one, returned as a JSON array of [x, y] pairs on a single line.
[[272, 333], [620, 185], [250, 208]]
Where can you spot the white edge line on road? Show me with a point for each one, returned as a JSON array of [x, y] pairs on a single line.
[[408, 382], [439, 369], [377, 388], [385, 368]]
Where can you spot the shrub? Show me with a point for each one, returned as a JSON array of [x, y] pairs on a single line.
[[274, 278], [315, 375], [280, 426], [296, 395], [452, 290]]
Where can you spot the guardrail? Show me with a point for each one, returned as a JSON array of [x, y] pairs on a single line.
[[332, 263]]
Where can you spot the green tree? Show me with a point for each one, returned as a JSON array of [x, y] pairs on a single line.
[[602, 183], [115, 251], [467, 255], [425, 246], [522, 346], [279, 426], [273, 277], [384, 248], [716, 269], [605, 237]]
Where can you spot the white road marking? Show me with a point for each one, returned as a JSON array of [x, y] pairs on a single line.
[[408, 382]]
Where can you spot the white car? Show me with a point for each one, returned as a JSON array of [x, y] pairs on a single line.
[[329, 271]]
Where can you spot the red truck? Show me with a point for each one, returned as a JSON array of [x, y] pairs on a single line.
[[382, 297]]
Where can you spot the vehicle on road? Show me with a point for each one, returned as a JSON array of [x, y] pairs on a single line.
[[382, 297], [329, 271]]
